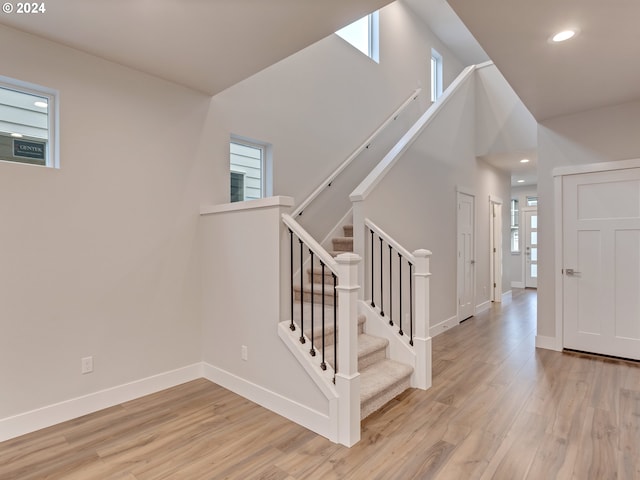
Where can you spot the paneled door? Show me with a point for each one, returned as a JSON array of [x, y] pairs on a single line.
[[601, 262], [466, 250]]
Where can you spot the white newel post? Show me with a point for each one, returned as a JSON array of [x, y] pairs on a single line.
[[422, 339], [348, 378]]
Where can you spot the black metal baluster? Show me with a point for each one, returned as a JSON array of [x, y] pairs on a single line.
[[381, 283], [323, 365], [302, 340], [312, 350], [410, 303], [292, 327], [400, 296], [373, 304], [335, 327], [390, 286]]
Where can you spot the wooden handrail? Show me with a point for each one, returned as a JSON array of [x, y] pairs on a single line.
[[329, 180]]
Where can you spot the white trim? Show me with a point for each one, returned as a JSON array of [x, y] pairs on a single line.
[[517, 285], [559, 261], [486, 64], [466, 190], [548, 343], [494, 199], [277, 201], [483, 306], [49, 415], [507, 297], [316, 421], [443, 326], [596, 167]]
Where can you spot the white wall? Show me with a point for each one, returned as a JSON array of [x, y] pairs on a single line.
[[600, 135], [317, 106], [100, 258], [416, 201]]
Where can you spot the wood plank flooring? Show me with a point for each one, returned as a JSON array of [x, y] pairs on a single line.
[[498, 409]]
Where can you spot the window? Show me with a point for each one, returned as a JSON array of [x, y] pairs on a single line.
[[436, 75], [515, 215], [27, 127], [364, 35], [532, 201], [248, 162]]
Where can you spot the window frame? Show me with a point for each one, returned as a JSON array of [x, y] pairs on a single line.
[[265, 165], [436, 75], [515, 226], [52, 154]]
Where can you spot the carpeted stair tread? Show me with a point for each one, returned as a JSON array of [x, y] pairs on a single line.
[[317, 293], [371, 349], [381, 382], [342, 244]]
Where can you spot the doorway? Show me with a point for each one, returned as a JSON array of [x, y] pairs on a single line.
[[601, 262], [466, 255], [495, 248], [531, 248]]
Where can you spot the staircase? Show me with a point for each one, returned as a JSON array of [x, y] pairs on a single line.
[[381, 379]]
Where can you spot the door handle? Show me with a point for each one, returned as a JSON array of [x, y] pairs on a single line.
[[473, 262], [571, 272]]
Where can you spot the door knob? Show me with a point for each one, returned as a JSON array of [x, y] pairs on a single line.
[[571, 271]]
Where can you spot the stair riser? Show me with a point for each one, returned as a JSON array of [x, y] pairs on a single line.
[[343, 244], [348, 230], [371, 358], [375, 403], [317, 278], [317, 297]]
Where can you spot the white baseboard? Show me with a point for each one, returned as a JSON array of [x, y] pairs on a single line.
[[443, 326], [483, 306], [517, 285], [507, 297], [316, 421], [33, 420], [548, 343]]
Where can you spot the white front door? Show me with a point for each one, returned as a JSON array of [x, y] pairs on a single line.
[[531, 249], [601, 262], [466, 262]]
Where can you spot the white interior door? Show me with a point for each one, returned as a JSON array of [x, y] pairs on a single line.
[[531, 248], [601, 257], [496, 251], [466, 262]]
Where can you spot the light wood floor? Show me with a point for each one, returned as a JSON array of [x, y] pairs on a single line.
[[498, 408]]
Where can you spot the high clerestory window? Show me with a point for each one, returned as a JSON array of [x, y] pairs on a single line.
[[364, 35], [436, 75], [27, 123]]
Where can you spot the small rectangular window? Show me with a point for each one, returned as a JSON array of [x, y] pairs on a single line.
[[532, 201], [436, 75], [248, 167], [27, 126]]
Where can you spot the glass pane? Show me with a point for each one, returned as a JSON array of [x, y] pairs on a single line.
[[357, 34], [534, 270], [534, 221], [534, 254], [534, 238]]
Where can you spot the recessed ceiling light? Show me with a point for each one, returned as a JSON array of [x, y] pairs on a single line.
[[520, 181], [524, 160], [16, 135], [563, 35], [41, 104]]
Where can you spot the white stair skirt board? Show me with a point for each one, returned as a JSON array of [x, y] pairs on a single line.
[[315, 421], [49, 415], [443, 326]]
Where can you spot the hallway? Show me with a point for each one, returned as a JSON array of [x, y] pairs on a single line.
[[498, 408]]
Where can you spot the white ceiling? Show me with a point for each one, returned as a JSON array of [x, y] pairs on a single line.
[[598, 67], [207, 45]]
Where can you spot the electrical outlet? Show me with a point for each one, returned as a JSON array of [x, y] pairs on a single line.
[[87, 365], [244, 352]]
